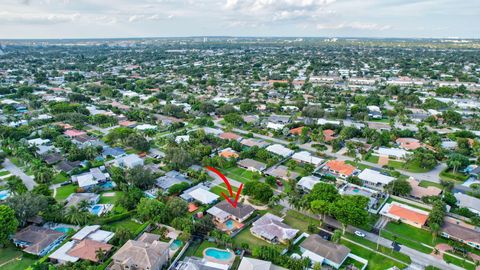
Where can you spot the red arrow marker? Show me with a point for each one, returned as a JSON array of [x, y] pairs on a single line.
[[229, 187]]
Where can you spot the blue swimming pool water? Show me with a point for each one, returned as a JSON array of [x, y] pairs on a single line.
[[96, 209], [149, 195], [230, 224], [176, 244], [221, 255], [107, 185], [4, 194], [62, 229]]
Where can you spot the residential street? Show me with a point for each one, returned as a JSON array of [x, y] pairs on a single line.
[[13, 169], [432, 176]]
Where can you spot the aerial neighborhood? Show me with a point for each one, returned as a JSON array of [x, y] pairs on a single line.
[[344, 154]]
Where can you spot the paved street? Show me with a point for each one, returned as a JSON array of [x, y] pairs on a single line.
[[13, 169], [432, 175]]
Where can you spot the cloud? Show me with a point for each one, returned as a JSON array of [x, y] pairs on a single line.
[[34, 18]]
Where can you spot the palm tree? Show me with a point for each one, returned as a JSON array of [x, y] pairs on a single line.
[[76, 216], [100, 254]]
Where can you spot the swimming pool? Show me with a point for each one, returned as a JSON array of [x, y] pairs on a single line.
[[218, 254], [96, 209], [107, 185], [62, 229], [176, 244], [4, 194], [230, 224]]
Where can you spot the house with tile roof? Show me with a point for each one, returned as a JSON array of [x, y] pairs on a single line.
[[405, 213], [37, 240], [325, 252], [461, 233], [146, 253], [339, 168], [272, 229]]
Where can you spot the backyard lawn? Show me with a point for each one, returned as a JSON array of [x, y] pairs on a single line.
[[60, 178], [373, 159], [239, 174], [375, 261], [64, 191], [3, 173], [126, 223], [110, 199], [246, 237], [13, 259], [196, 250], [425, 184]]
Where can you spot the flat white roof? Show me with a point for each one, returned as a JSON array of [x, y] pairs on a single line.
[[307, 157], [279, 150], [396, 152], [85, 231], [375, 177], [308, 182], [203, 196], [61, 253]]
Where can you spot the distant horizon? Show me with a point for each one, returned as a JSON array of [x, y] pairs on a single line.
[[88, 19], [246, 37]]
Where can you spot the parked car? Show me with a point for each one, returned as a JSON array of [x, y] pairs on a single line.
[[359, 233], [279, 183]]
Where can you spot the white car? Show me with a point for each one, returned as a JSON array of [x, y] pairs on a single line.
[[359, 233]]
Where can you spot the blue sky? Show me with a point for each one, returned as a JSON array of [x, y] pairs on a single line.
[[164, 18]]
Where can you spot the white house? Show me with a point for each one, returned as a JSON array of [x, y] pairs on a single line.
[[280, 150], [307, 157]]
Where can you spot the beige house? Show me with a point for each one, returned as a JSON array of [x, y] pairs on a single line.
[[146, 253]]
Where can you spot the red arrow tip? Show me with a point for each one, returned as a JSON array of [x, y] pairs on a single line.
[[229, 187]]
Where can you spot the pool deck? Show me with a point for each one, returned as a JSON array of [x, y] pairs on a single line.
[[214, 260]]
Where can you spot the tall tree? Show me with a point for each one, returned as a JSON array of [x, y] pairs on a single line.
[[9, 223]]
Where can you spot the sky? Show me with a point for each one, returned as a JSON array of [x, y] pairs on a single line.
[[289, 18]]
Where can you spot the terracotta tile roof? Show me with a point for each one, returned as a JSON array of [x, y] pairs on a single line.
[[328, 135], [409, 143], [87, 248], [192, 207], [408, 214], [229, 154], [419, 192], [296, 131], [229, 136], [74, 133], [341, 167], [127, 123]]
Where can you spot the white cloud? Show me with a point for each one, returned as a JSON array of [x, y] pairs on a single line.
[[35, 18]]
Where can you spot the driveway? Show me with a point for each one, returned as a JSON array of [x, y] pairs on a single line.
[[13, 169]]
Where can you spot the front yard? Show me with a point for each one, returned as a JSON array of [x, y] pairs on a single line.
[[239, 174], [299, 221], [375, 261]]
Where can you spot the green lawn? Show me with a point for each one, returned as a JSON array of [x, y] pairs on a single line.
[[222, 188], [299, 221], [60, 178], [239, 174], [110, 200], [372, 219], [3, 173], [14, 257], [246, 237], [385, 250], [375, 261], [462, 263], [390, 199], [425, 184], [359, 165], [409, 236], [349, 261], [373, 159], [126, 223], [197, 249], [450, 176], [64, 191], [407, 166]]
